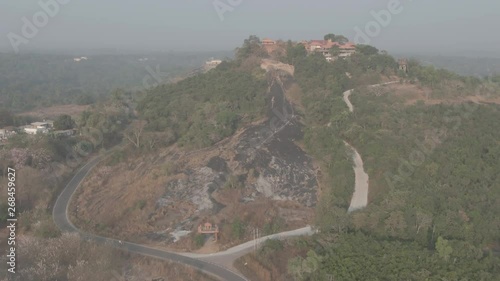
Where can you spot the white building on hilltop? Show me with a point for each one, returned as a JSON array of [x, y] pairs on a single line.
[[212, 63]]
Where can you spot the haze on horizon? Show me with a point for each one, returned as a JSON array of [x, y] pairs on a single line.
[[432, 27]]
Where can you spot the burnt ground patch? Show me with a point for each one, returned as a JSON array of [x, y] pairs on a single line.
[[217, 164]]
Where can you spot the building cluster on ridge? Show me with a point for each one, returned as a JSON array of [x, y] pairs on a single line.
[[323, 47]]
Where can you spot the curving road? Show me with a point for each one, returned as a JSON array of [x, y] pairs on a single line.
[[348, 93], [359, 198], [208, 263], [61, 218], [247, 247]]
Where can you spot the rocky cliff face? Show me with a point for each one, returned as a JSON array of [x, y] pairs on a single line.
[[263, 160]]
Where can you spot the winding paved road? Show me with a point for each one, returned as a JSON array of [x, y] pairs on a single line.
[[348, 93], [61, 218], [214, 264], [248, 246], [359, 198]]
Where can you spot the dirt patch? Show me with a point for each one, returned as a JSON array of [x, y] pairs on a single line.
[[410, 94], [294, 94], [54, 111], [276, 51], [272, 65]]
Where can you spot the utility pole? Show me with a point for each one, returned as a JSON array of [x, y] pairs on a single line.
[[257, 241], [254, 237]]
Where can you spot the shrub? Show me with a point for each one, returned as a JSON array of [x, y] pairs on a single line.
[[238, 229], [199, 240]]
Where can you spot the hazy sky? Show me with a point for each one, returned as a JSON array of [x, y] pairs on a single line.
[[422, 25]]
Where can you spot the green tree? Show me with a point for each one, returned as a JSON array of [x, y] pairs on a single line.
[[6, 118], [340, 39], [312, 263], [238, 229], [335, 51], [336, 38], [64, 122], [294, 268], [443, 248], [199, 240], [329, 36], [295, 52], [250, 46], [366, 50]]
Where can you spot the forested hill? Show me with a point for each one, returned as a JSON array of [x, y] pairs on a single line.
[[30, 81], [429, 143], [470, 66]]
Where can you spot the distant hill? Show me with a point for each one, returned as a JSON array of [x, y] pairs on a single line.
[[30, 81], [468, 66]]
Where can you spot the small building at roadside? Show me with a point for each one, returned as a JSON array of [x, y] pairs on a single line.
[[36, 128], [403, 65]]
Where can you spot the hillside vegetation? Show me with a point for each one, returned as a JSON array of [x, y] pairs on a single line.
[[432, 162], [434, 185], [200, 111], [432, 157]]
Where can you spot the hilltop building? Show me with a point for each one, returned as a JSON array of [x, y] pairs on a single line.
[[268, 41], [211, 64], [324, 47]]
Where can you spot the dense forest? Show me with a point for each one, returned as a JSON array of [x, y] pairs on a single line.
[[435, 190], [201, 110], [40, 80]]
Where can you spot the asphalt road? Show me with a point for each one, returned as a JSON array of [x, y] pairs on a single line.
[[61, 219]]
